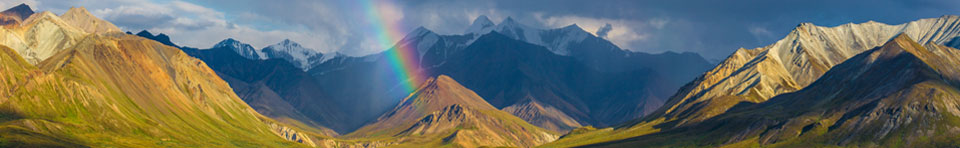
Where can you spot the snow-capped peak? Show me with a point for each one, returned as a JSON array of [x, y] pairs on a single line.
[[424, 39], [292, 52], [515, 30], [241, 48], [481, 25]]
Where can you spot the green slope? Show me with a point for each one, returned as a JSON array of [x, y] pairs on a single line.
[[117, 90]]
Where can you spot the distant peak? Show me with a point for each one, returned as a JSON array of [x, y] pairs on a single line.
[[162, 38], [78, 10], [508, 20], [23, 11], [144, 33], [81, 18], [287, 41], [20, 7], [230, 42], [481, 25], [420, 30], [482, 20], [573, 27]]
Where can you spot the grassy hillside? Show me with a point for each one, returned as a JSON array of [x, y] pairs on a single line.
[[125, 91]]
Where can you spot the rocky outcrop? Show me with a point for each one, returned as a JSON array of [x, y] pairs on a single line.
[[291, 134], [546, 117]]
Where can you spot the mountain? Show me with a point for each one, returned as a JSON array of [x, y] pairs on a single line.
[[481, 25], [116, 90], [76, 99], [507, 72], [473, 60], [901, 94], [15, 15], [79, 17], [162, 38], [273, 88], [299, 56], [241, 48], [40, 36], [442, 112], [755, 75]]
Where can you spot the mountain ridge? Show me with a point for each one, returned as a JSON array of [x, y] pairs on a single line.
[[883, 96]]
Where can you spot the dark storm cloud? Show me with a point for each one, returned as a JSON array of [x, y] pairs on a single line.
[[602, 32]]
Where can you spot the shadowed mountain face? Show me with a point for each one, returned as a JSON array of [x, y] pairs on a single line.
[[596, 89], [507, 71], [504, 71], [901, 94], [162, 38], [442, 112], [274, 88], [15, 15]]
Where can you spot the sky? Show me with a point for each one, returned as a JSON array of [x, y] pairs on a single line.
[[712, 28]]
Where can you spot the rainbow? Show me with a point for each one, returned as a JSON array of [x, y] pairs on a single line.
[[403, 60]]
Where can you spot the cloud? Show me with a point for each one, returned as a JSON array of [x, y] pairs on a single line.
[[602, 32], [711, 28]]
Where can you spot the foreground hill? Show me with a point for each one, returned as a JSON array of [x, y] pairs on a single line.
[[443, 113], [109, 89], [899, 95]]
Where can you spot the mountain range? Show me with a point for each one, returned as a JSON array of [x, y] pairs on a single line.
[[76, 81], [561, 108], [795, 63]]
